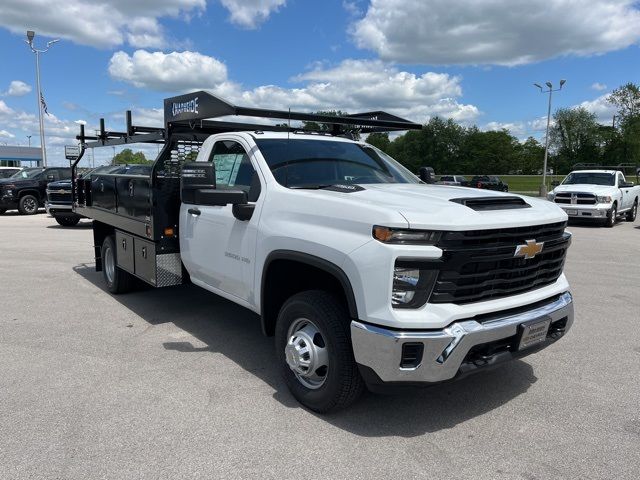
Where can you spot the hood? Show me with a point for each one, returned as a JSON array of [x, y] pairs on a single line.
[[18, 181], [585, 188], [431, 206]]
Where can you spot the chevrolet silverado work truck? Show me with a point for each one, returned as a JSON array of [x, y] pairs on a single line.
[[365, 276], [602, 195]]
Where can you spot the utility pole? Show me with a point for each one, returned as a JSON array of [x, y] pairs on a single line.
[[543, 187], [30, 36]]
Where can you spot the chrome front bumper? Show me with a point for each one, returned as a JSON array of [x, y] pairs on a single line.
[[445, 351], [585, 211], [58, 207]]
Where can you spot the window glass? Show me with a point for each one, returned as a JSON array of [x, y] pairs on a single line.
[[234, 169], [298, 163]]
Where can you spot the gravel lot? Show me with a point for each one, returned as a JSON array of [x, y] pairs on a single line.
[[179, 383]]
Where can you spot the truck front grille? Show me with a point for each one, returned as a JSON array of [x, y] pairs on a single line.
[[57, 197], [579, 199], [480, 265]]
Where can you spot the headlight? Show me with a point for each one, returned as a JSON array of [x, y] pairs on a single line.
[[605, 199], [412, 286], [410, 237], [551, 195]]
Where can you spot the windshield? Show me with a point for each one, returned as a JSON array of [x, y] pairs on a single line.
[[590, 178], [298, 163], [27, 173]]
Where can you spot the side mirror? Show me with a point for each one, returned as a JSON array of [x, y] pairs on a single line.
[[626, 184], [194, 177], [426, 174]]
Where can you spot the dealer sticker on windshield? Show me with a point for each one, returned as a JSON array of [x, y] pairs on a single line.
[[533, 332]]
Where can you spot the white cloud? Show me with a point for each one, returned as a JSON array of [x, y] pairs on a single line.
[[601, 107], [363, 85], [99, 23], [515, 128], [170, 72], [17, 88], [251, 13], [598, 86], [5, 134], [502, 32]]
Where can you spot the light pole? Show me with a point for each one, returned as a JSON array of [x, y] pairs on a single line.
[[543, 187], [29, 137], [30, 35]]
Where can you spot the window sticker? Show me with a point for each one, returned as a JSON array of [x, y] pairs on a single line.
[[227, 166]]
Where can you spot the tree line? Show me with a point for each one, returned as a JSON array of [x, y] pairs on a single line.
[[575, 137]]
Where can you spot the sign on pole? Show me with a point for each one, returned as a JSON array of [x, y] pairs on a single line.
[[72, 152]]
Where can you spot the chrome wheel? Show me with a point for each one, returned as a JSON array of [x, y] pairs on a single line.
[[109, 264], [306, 353], [30, 205]]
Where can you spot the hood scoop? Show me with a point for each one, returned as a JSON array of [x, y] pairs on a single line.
[[481, 204]]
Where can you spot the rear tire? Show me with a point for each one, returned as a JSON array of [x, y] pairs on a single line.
[[117, 280], [313, 345], [612, 216], [28, 205], [631, 214], [67, 221]]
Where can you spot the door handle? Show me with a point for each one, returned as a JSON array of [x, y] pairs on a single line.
[[194, 211]]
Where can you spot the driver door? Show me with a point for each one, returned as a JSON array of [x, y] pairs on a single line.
[[217, 248]]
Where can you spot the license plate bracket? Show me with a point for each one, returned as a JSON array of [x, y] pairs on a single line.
[[533, 332]]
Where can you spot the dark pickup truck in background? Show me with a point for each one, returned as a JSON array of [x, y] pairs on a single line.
[[489, 182], [59, 197], [26, 190]]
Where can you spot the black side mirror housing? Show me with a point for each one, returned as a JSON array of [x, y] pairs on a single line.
[[426, 174], [196, 176]]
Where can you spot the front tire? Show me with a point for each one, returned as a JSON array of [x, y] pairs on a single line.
[[612, 216], [117, 280], [631, 214], [313, 344], [28, 205], [67, 221]]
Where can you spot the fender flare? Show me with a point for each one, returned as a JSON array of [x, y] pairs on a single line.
[[313, 261]]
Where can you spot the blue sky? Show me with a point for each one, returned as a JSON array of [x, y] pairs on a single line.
[[474, 61]]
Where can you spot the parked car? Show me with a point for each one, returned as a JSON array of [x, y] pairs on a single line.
[[59, 202], [26, 189], [489, 182], [456, 180], [598, 195], [6, 172]]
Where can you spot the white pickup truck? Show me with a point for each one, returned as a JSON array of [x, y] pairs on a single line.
[[597, 194], [365, 275]]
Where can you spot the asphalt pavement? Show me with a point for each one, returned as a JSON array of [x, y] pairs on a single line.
[[180, 384]]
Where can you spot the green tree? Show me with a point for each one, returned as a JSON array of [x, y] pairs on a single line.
[[127, 156], [575, 137], [627, 101], [380, 140], [530, 157]]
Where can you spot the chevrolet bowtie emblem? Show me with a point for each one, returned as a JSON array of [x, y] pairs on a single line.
[[530, 250]]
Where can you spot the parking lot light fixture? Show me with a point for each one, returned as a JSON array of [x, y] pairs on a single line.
[[30, 36], [550, 90]]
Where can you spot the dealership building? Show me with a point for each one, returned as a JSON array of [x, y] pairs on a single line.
[[11, 156]]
